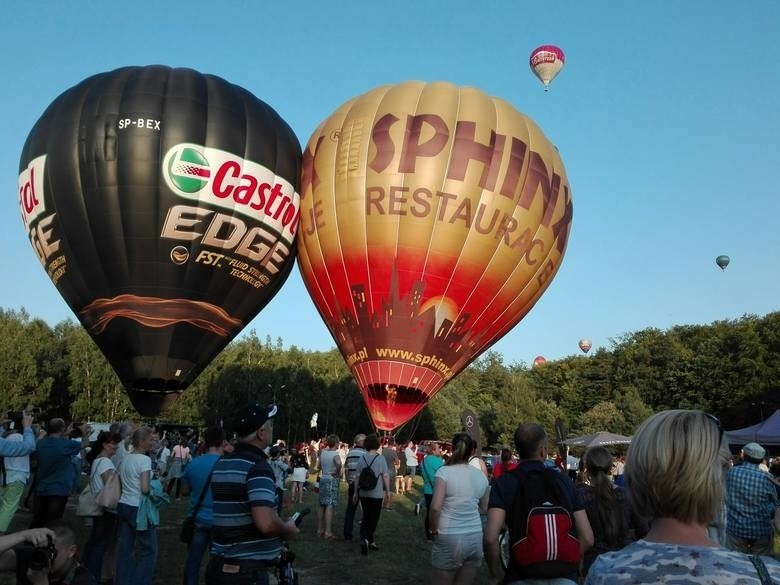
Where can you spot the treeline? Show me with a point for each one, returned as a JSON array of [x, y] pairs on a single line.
[[729, 368]]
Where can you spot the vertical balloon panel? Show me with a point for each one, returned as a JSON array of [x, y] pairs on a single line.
[[432, 218], [163, 204]]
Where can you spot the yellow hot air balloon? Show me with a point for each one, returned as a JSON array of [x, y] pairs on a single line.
[[433, 217]]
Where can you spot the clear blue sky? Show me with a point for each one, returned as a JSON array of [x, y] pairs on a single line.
[[666, 117]]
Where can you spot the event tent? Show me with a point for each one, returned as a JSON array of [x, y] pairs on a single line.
[[600, 438], [765, 433]]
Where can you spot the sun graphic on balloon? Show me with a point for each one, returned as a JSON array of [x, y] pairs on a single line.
[[445, 308]]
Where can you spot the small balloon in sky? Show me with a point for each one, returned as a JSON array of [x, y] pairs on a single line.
[[722, 261], [585, 345], [546, 62], [539, 360]]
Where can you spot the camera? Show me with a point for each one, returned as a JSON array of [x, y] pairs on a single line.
[[36, 558]]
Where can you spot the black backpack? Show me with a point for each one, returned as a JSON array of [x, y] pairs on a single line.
[[542, 531], [367, 479]]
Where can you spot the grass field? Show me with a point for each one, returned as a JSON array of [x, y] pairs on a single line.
[[403, 558]]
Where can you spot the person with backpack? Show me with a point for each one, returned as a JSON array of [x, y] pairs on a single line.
[[370, 485], [460, 493], [548, 526]]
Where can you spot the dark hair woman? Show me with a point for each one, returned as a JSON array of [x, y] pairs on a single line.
[[505, 463], [610, 514], [104, 527], [460, 493]]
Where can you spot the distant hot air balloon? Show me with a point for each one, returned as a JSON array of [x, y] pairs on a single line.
[[722, 261], [433, 217], [163, 205], [546, 62], [539, 361], [585, 345]]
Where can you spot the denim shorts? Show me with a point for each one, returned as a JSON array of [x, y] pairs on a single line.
[[450, 552]]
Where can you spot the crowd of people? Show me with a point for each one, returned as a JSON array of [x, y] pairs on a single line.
[[675, 509]]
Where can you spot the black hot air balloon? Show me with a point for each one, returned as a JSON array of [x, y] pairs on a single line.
[[163, 204], [722, 261]]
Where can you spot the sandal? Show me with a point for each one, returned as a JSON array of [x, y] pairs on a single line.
[[329, 536]]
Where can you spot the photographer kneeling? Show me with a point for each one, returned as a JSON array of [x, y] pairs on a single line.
[[44, 556]]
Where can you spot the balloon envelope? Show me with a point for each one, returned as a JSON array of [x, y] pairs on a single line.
[[433, 217], [546, 62], [585, 345], [722, 262], [539, 361], [163, 205]]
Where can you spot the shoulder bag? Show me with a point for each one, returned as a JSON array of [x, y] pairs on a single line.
[[188, 526], [109, 496]]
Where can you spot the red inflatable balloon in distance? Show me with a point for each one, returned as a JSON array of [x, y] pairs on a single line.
[[163, 205], [433, 217], [539, 361]]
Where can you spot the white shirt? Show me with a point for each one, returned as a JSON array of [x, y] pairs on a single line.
[[99, 466], [130, 472], [464, 487], [411, 457]]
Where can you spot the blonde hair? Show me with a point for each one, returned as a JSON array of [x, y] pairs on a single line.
[[674, 467]]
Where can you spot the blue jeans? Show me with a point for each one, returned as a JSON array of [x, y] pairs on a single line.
[[136, 552], [195, 553]]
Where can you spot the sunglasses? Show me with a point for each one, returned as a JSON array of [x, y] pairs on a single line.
[[714, 419]]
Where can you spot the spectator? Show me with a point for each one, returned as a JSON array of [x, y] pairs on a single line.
[[751, 501], [610, 514], [460, 493], [280, 468], [505, 463], [247, 531], [371, 499], [104, 527], [410, 453], [180, 456], [330, 474], [196, 479], [300, 464], [12, 448], [16, 474], [353, 456], [391, 459], [63, 568], [428, 468], [675, 475], [55, 477], [531, 446], [136, 554]]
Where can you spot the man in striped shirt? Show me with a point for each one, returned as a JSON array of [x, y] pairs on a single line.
[[247, 532]]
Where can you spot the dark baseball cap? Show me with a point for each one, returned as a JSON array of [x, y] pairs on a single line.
[[252, 416]]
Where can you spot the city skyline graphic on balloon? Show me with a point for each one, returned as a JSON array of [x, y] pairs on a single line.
[[163, 204], [433, 217]]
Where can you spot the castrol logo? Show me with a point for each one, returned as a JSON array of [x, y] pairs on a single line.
[[220, 178], [31, 191]]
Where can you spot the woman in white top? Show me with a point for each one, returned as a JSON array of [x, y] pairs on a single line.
[[103, 527], [330, 470], [136, 553], [460, 494]]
